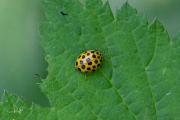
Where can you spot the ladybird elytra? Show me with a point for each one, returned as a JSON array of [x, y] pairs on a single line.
[[89, 61]]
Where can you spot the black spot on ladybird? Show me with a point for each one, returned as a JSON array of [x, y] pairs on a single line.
[[83, 56], [90, 63], [88, 68], [92, 51], [76, 63], [96, 61], [94, 66], [88, 59], [81, 62], [88, 54], [83, 66], [79, 69], [94, 56], [98, 65]]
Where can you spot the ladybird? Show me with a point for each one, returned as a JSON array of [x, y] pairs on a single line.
[[89, 61]]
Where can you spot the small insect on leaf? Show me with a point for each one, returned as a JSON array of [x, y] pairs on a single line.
[[89, 61]]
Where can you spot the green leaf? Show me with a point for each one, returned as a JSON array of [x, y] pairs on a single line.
[[139, 77]]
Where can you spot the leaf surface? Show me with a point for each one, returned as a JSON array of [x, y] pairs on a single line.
[[139, 77]]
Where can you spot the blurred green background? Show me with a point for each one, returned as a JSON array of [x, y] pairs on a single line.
[[22, 55]]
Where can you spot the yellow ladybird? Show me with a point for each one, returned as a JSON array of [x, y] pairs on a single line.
[[89, 61]]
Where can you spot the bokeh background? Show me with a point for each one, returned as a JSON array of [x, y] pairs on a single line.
[[21, 56]]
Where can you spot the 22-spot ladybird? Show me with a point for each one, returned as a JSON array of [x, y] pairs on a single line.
[[89, 61]]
